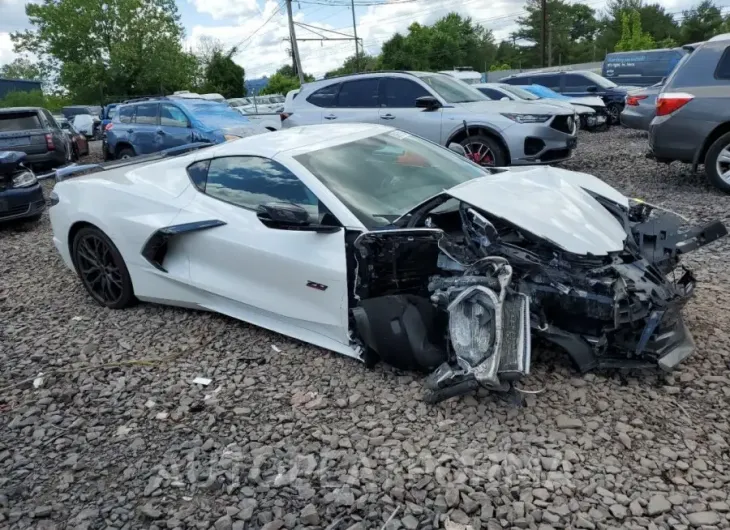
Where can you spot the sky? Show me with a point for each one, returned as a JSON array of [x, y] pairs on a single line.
[[259, 27]]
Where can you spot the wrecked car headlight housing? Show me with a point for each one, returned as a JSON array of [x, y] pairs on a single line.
[[528, 118], [24, 180]]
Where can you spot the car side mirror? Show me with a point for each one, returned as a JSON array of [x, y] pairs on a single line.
[[288, 216], [592, 88], [428, 103], [457, 148]]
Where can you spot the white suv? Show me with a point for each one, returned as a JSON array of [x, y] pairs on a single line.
[[441, 109]]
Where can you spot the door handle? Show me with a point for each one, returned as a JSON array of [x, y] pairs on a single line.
[[130, 131], [160, 131], [387, 117], [330, 117]]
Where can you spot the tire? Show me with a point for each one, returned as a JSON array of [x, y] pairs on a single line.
[[498, 157], [120, 287], [614, 114], [125, 152], [717, 163], [75, 155]]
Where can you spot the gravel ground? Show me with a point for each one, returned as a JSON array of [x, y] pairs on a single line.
[[117, 435]]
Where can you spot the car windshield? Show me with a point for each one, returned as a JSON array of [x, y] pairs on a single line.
[[111, 112], [452, 90], [382, 177], [213, 115], [599, 80], [520, 92]]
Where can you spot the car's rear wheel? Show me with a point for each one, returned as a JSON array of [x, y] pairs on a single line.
[[102, 269], [717, 163], [484, 150], [125, 153]]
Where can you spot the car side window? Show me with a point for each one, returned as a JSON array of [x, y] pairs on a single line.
[[146, 114], [362, 93], [126, 114], [249, 181], [550, 81], [723, 66], [576, 82], [171, 116], [325, 96], [198, 173], [519, 81], [400, 93], [51, 120], [492, 94]]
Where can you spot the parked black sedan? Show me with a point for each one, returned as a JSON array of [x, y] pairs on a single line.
[[21, 195]]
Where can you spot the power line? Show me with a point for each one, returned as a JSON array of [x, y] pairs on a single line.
[[248, 39]]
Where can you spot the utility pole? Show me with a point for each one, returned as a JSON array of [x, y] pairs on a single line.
[[294, 47], [354, 32], [544, 31]]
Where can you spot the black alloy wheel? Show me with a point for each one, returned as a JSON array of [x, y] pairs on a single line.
[[101, 269]]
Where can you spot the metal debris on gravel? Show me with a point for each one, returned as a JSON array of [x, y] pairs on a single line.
[[305, 438]]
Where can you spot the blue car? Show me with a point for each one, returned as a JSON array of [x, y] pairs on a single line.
[[577, 83], [155, 124], [21, 195], [107, 114]]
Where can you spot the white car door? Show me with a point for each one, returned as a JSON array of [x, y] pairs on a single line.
[[398, 108], [294, 282], [308, 110], [357, 102]]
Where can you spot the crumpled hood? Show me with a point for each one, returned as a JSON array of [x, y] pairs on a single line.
[[590, 101], [550, 203], [516, 107]]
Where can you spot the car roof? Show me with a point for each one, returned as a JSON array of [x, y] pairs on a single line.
[[20, 109]]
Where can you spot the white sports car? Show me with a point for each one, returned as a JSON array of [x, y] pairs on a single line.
[[377, 244]]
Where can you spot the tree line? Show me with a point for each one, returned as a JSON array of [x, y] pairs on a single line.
[[96, 52]]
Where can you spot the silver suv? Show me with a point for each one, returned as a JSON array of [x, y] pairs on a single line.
[[441, 109]]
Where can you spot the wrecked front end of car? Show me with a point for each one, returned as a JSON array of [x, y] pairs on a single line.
[[461, 293]]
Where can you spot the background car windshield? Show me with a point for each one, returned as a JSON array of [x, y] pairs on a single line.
[[213, 115], [599, 80], [382, 177], [452, 90], [520, 92]]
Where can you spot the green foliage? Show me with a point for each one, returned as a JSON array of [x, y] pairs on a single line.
[[632, 37], [223, 76], [114, 47], [702, 22], [284, 80], [496, 67], [452, 41], [570, 33], [365, 63], [34, 98]]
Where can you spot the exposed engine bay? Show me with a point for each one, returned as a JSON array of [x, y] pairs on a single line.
[[457, 292]]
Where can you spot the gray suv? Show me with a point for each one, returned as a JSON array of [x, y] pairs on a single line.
[[692, 122], [441, 109]]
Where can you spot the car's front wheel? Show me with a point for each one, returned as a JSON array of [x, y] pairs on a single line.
[[125, 153], [614, 114], [717, 163], [102, 269], [484, 150]]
